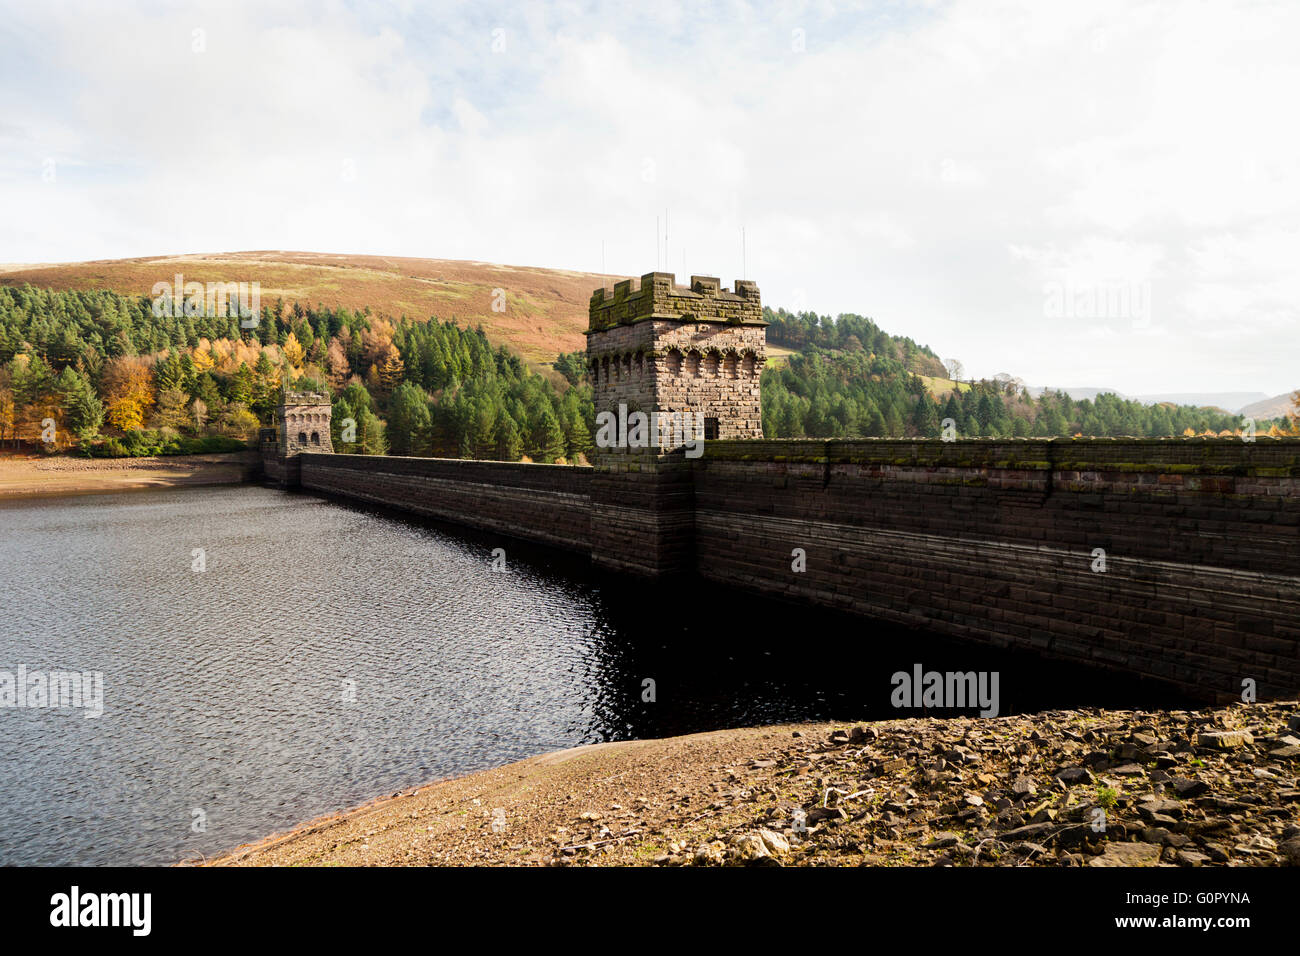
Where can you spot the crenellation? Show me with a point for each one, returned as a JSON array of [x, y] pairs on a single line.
[[662, 347], [302, 424]]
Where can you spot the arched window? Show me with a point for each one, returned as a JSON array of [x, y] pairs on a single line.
[[315, 438], [302, 438]]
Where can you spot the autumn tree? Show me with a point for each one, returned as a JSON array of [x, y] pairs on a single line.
[[128, 390], [6, 405], [337, 366], [293, 351]]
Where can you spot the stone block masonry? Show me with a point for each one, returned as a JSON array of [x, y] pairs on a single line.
[[545, 503], [993, 541], [998, 541], [660, 347]]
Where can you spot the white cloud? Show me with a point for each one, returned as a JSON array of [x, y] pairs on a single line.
[[932, 165]]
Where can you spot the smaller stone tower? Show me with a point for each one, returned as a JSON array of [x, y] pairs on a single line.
[[656, 346], [302, 423]]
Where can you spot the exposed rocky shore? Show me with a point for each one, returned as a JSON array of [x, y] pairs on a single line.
[[38, 476], [1215, 787]]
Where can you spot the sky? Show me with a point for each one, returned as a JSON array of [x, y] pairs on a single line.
[[1076, 194]]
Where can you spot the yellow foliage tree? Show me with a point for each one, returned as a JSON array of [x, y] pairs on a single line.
[[126, 414], [202, 357], [6, 413], [293, 350], [128, 390]]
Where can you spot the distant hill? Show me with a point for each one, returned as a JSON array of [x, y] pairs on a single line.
[[1228, 401], [1234, 402], [546, 309], [1274, 407]]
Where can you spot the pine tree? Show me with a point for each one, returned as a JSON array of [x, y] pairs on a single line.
[[925, 417], [509, 446], [547, 437], [408, 419]]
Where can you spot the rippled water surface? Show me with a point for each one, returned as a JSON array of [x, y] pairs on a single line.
[[328, 655]]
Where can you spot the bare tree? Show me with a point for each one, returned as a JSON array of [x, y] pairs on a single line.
[[955, 369]]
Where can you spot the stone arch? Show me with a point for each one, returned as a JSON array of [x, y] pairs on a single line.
[[729, 365], [711, 363], [315, 438], [302, 438], [693, 364], [674, 362], [748, 363]]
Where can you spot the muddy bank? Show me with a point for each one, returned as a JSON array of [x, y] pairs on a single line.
[[40, 477], [1215, 787]]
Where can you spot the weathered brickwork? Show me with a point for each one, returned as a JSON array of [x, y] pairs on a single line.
[[546, 503], [655, 346], [642, 512], [998, 541]]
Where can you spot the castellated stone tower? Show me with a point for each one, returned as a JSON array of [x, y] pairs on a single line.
[[302, 423], [655, 346]]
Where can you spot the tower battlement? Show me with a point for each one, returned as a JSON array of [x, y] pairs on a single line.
[[655, 346], [302, 423], [657, 295]]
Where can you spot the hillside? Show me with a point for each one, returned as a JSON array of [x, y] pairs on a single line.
[[1254, 404], [1275, 407], [546, 309]]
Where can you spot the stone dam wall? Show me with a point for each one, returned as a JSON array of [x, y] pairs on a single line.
[[996, 541], [550, 504]]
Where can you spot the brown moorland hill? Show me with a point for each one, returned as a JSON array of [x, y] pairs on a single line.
[[546, 309]]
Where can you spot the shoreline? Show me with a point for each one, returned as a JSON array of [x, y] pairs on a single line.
[[33, 477], [1085, 787]]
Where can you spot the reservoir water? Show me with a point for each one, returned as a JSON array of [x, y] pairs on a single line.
[[325, 655]]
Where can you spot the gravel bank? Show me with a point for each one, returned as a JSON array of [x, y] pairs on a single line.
[[1215, 787]]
